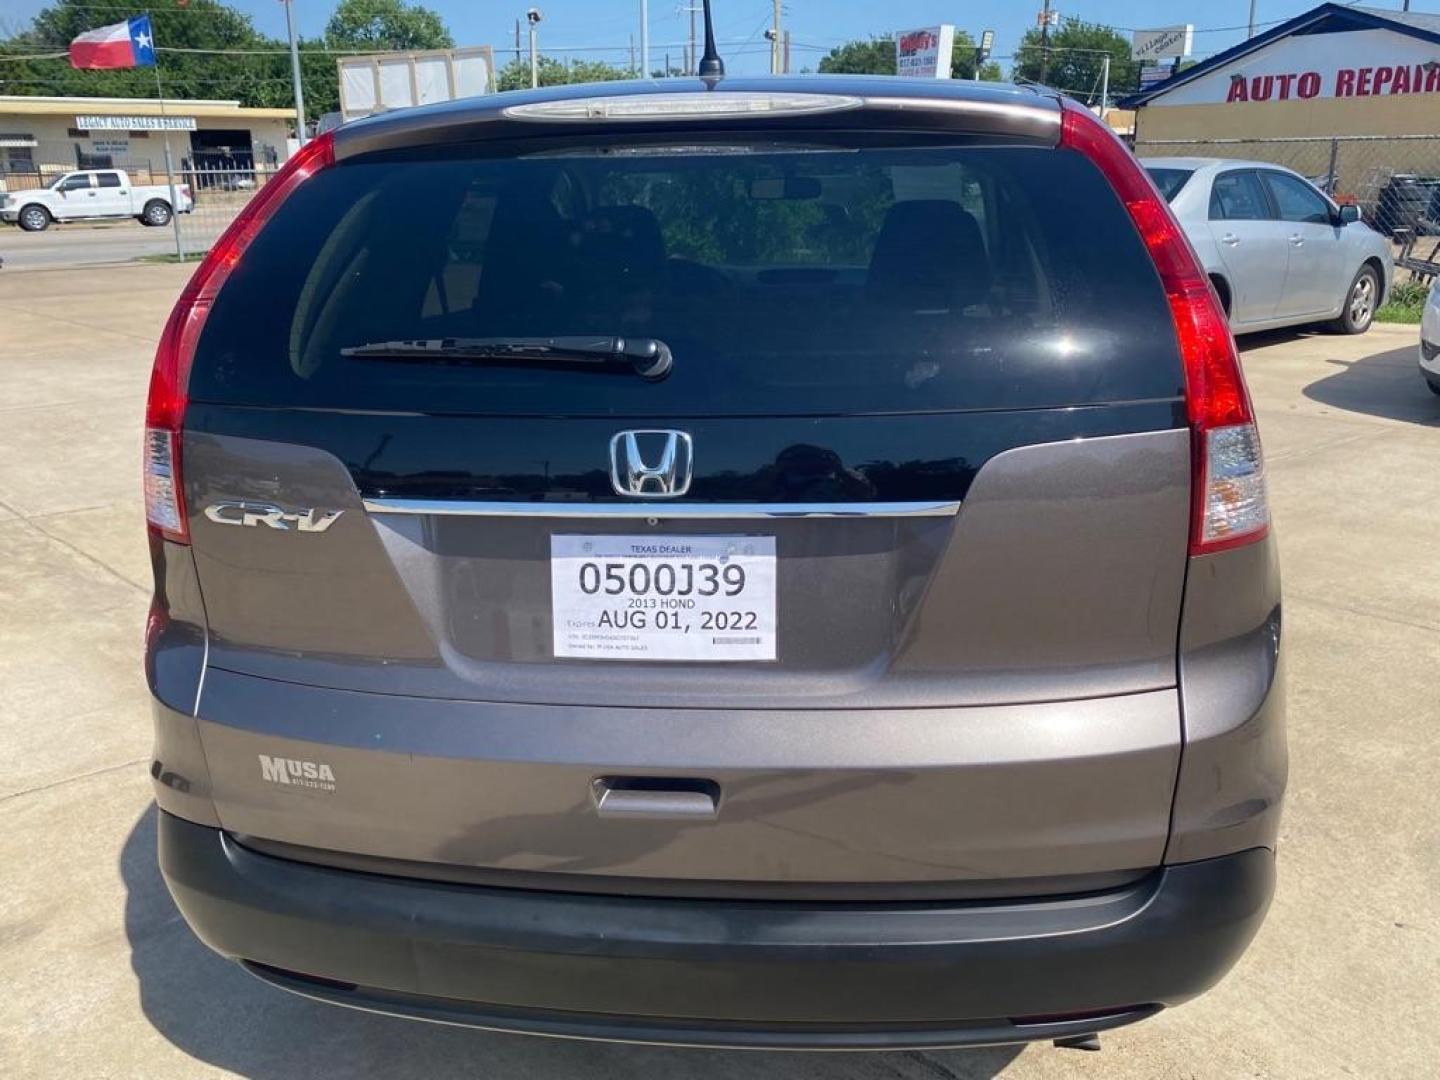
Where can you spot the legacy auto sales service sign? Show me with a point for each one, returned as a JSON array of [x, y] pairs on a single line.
[[1360, 63]]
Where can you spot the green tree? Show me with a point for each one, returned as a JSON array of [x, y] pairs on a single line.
[[873, 57], [204, 24], [551, 72], [235, 62], [1075, 56], [386, 25], [877, 57]]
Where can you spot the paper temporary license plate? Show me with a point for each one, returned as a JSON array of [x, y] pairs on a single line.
[[698, 598]]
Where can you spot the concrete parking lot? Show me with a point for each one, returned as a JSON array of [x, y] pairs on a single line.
[[102, 978]]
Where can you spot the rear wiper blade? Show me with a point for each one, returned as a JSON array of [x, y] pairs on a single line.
[[649, 358]]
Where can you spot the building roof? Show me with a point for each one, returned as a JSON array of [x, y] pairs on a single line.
[[21, 105], [1325, 19]]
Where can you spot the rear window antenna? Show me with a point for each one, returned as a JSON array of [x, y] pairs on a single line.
[[710, 66]]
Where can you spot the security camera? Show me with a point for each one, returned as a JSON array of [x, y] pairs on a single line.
[[533, 15]]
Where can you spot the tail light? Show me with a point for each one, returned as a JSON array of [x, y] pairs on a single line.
[[1228, 471], [170, 377]]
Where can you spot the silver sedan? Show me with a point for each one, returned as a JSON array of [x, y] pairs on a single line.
[[1430, 338], [1279, 252]]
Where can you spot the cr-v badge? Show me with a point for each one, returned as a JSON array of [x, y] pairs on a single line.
[[254, 514], [631, 472]]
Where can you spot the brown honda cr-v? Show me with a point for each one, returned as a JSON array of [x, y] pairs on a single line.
[[732, 562]]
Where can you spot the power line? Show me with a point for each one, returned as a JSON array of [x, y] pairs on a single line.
[[738, 43], [1197, 30], [130, 9], [181, 79]]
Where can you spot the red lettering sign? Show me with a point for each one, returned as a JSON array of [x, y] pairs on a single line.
[[918, 42], [1349, 82]]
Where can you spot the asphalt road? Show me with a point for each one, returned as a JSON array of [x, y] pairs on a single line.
[[102, 978], [83, 244]]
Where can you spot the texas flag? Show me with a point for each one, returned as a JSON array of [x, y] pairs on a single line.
[[124, 45]]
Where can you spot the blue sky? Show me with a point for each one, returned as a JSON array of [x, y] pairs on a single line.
[[815, 25]]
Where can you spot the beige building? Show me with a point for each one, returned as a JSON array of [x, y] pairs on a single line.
[[43, 136], [1333, 72]]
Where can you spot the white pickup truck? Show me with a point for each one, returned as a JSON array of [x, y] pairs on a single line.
[[93, 194]]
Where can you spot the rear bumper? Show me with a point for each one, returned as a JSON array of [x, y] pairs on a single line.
[[716, 972]]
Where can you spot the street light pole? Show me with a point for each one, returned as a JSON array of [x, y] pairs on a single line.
[[295, 73], [533, 18]]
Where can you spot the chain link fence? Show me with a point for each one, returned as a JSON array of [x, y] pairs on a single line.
[[215, 195], [219, 195], [1394, 179]]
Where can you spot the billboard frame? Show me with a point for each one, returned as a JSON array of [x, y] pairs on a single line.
[[1176, 42], [374, 60]]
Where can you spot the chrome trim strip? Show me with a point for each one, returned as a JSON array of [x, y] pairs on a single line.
[[688, 511]]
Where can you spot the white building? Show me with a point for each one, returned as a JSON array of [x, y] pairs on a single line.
[[43, 136]]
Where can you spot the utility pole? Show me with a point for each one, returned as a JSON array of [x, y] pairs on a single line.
[[632, 56], [787, 50], [775, 39], [1045, 44], [1251, 33], [1104, 85], [294, 74], [645, 41], [517, 40], [693, 61]]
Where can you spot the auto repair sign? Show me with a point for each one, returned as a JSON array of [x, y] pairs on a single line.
[[925, 53], [1359, 63]]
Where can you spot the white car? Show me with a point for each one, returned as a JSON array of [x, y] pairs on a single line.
[[1430, 338], [1279, 252], [93, 194]]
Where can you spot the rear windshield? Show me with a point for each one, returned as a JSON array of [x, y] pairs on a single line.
[[1170, 181], [783, 279]]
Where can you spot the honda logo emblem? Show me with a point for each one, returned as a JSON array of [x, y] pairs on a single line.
[[632, 472]]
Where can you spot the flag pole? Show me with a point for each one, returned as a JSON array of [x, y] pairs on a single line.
[[165, 132]]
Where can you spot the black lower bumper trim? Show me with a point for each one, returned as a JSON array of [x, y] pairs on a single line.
[[720, 973], [660, 1031]]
